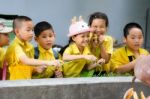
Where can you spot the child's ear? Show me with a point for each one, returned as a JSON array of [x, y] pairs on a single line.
[[35, 38], [124, 40], [16, 31], [54, 34], [73, 38]]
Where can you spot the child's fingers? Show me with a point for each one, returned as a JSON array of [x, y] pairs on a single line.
[[128, 94], [58, 74], [101, 61], [142, 95], [135, 96]]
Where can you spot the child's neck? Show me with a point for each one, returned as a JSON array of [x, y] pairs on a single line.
[[135, 52], [80, 49], [1, 45]]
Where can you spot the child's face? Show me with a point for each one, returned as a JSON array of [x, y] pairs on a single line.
[[4, 39], [134, 39], [82, 39], [46, 39], [99, 26], [25, 32]]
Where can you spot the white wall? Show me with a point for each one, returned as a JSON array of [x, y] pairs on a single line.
[[60, 12]]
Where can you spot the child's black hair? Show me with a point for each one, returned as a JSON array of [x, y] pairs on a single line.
[[42, 26], [63, 49], [98, 15], [130, 26], [17, 22]]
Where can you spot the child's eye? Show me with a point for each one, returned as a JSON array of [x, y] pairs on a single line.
[[50, 35], [43, 36], [132, 37]]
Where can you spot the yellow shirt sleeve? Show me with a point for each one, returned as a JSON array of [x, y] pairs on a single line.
[[118, 58], [2, 54], [19, 52], [108, 44], [68, 50]]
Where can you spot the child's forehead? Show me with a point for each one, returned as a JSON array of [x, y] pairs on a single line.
[[27, 24], [48, 31], [135, 31]]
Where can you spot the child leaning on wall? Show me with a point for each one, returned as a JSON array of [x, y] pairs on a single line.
[[4, 41], [123, 59], [77, 55], [45, 37], [19, 54], [101, 44]]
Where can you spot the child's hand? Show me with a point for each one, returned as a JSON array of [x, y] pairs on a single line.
[[39, 69], [101, 39], [90, 57], [56, 63], [58, 74], [129, 93], [101, 61]]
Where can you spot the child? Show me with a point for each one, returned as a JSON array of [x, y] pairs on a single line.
[[19, 54], [77, 52], [45, 37], [4, 40], [123, 59], [100, 43]]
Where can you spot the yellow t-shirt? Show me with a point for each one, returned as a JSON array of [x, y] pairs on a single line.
[[72, 49], [123, 56], [17, 69], [2, 54], [75, 67], [108, 45], [45, 55]]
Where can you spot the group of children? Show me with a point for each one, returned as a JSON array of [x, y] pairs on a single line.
[[89, 51]]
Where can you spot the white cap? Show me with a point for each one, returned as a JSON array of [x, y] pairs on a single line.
[[4, 28]]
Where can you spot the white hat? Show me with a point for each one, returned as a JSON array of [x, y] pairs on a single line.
[[78, 28], [4, 28]]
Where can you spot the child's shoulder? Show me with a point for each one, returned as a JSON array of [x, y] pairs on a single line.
[[108, 38], [120, 50], [143, 51]]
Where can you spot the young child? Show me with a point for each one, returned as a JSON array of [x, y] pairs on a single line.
[[123, 59], [4, 41], [101, 44], [45, 37], [19, 54], [77, 51]]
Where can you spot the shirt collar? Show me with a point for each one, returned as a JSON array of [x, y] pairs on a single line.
[[42, 50], [130, 53], [26, 46], [86, 50]]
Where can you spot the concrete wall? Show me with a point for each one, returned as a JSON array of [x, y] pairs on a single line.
[[59, 13], [70, 88]]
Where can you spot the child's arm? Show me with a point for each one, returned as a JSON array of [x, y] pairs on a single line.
[[35, 62], [69, 57], [104, 54], [126, 67], [100, 62]]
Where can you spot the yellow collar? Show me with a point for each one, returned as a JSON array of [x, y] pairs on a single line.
[[130, 53], [42, 50], [26, 46], [76, 50]]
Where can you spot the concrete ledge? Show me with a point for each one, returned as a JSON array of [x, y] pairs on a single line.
[[70, 88]]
